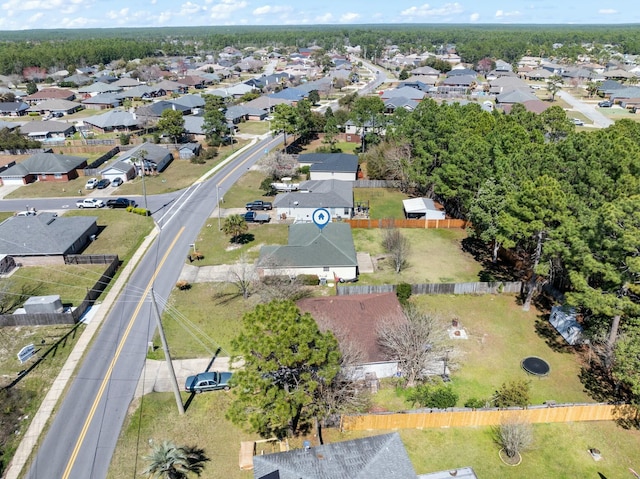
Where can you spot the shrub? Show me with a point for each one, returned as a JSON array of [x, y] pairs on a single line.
[[514, 436], [183, 285], [440, 397], [403, 292], [514, 393], [475, 403], [140, 211], [125, 139], [308, 279]]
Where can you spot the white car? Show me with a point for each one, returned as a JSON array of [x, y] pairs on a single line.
[[577, 121], [90, 203], [91, 184]]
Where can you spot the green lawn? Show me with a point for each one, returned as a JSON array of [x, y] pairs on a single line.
[[435, 257], [383, 202], [246, 189], [253, 127]]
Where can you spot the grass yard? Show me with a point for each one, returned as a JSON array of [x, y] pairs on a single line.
[[383, 202], [218, 249], [120, 233], [436, 256], [253, 127], [246, 189], [209, 310]]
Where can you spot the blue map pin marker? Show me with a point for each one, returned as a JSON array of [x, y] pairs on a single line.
[[321, 217]]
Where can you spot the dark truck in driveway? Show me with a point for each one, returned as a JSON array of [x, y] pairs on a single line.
[[253, 217], [259, 205]]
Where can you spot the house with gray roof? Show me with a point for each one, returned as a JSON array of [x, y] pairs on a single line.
[[331, 166], [333, 195], [238, 113], [44, 167], [156, 157], [328, 253], [65, 107], [374, 457], [154, 110], [43, 130], [195, 103], [102, 101], [144, 92], [13, 108], [126, 82], [113, 120], [124, 170], [403, 92], [98, 87], [193, 125], [46, 234]]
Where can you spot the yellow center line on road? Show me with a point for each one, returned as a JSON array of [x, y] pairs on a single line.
[[107, 376]]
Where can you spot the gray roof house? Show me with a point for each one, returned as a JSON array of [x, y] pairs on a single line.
[[113, 120], [41, 130], [119, 169], [328, 253], [56, 106], [375, 457], [13, 108], [193, 125], [331, 166], [45, 235], [102, 101], [157, 158], [44, 167], [334, 195]]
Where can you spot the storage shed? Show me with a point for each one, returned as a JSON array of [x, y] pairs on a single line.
[[422, 208], [564, 320], [43, 304]]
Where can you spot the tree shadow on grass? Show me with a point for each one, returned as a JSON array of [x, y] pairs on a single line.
[[244, 238], [491, 272], [551, 337]]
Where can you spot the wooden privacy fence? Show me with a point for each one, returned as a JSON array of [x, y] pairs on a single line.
[[368, 223], [435, 288], [483, 417]]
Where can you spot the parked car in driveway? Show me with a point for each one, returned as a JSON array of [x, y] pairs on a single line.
[[210, 381], [605, 104], [91, 183], [120, 203], [117, 181], [577, 121], [90, 203], [103, 183]]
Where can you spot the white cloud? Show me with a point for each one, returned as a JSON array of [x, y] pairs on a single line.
[[474, 17], [268, 9], [117, 14], [349, 17], [427, 11], [224, 8], [76, 22], [190, 8], [503, 14], [607, 11], [326, 18]]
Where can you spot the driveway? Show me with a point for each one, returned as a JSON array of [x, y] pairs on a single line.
[[587, 109]]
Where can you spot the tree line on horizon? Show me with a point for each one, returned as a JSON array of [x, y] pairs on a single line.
[[58, 48]]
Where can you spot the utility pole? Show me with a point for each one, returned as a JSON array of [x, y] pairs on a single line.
[[167, 355], [218, 203]]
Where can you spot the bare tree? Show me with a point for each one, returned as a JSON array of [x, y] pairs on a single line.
[[514, 435], [415, 344], [345, 393], [243, 276], [398, 247], [281, 288], [278, 165]]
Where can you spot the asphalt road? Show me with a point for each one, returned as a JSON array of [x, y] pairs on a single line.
[[82, 437], [587, 109]]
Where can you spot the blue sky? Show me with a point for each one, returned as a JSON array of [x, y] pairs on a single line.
[[28, 14]]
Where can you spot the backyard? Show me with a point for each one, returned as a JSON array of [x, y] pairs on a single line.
[[500, 335]]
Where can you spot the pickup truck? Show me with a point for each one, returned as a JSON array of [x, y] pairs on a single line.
[[90, 203], [253, 217], [259, 205]]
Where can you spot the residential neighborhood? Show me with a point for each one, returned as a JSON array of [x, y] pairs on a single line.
[[367, 248]]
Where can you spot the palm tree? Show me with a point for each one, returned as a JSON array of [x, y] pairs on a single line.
[[168, 461], [235, 225]]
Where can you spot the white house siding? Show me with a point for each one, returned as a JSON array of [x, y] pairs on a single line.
[[331, 175], [381, 370], [305, 214], [347, 272]]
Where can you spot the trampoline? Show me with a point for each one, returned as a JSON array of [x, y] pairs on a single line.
[[536, 366]]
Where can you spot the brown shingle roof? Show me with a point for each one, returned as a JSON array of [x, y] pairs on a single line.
[[51, 94], [354, 318]]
